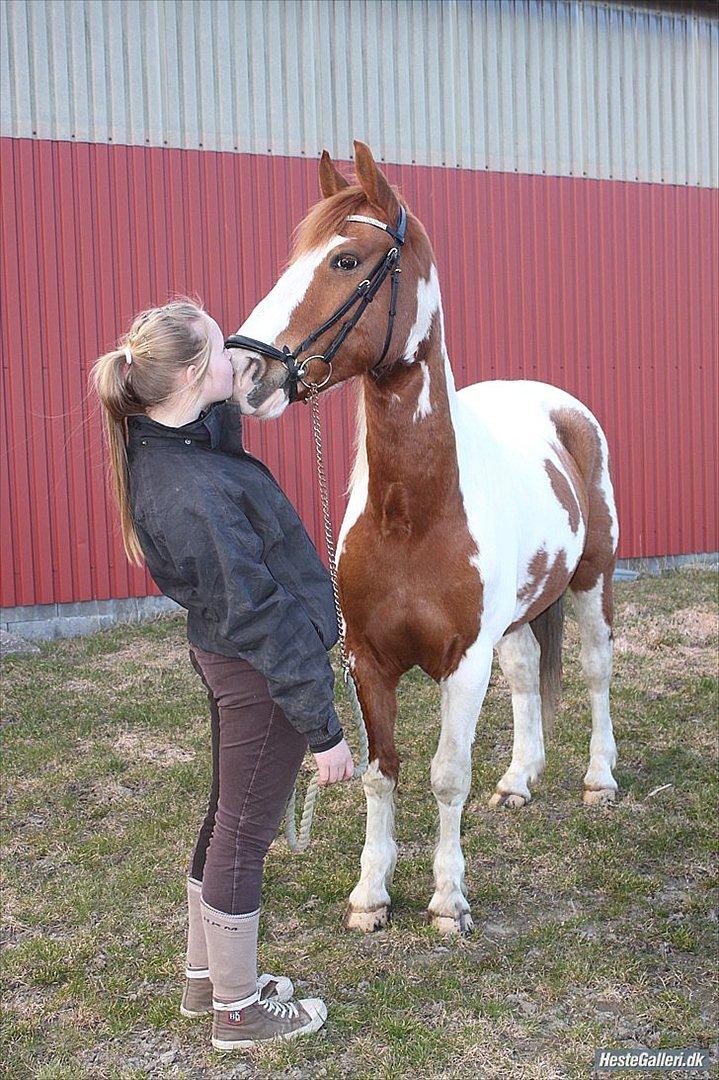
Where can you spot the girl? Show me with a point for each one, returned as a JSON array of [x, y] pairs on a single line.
[[222, 539]]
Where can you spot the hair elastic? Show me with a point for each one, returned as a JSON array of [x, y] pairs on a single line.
[[128, 355]]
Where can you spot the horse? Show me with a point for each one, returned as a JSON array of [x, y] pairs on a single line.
[[470, 514]]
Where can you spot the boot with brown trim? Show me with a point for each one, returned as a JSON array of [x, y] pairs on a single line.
[[197, 991]]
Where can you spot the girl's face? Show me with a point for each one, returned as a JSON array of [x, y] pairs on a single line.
[[229, 376], [217, 384]]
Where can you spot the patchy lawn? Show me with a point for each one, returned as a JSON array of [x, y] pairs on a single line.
[[594, 927]]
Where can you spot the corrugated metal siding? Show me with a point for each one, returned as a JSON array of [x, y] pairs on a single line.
[[607, 289], [534, 86]]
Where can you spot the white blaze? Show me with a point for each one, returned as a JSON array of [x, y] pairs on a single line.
[[272, 315]]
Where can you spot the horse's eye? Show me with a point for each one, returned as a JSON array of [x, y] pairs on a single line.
[[345, 261]]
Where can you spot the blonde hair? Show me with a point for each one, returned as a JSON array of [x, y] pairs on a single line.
[[161, 342]]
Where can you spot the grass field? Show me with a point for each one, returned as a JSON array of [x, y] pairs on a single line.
[[593, 927]]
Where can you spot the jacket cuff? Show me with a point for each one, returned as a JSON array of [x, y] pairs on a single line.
[[327, 735], [319, 748]]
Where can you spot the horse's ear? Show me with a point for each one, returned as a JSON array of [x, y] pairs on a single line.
[[331, 179], [374, 183]]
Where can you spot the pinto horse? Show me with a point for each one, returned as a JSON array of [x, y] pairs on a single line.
[[470, 513]]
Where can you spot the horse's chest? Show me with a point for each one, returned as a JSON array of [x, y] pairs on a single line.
[[410, 593]]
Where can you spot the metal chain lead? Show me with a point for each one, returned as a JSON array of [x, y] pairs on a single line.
[[299, 841]]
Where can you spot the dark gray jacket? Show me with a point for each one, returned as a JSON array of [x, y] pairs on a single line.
[[222, 539]]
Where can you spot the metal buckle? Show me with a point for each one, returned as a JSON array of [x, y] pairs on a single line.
[[302, 367]]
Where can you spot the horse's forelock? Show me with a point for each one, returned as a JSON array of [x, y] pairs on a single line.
[[326, 219]]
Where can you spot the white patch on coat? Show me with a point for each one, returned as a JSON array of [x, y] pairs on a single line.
[[379, 854], [428, 301], [596, 657], [462, 694], [518, 655], [358, 485], [272, 315], [424, 406]]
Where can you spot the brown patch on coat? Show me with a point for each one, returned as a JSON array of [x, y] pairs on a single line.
[[396, 517], [400, 612], [580, 438], [564, 493], [546, 582]]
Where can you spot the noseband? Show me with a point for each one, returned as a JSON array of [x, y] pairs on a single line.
[[363, 295]]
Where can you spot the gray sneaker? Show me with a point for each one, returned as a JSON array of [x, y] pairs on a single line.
[[266, 1021], [197, 993]]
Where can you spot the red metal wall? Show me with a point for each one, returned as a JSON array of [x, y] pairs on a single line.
[[605, 288]]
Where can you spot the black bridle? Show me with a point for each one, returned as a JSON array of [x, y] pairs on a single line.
[[363, 295]]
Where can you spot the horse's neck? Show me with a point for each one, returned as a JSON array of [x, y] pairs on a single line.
[[408, 426]]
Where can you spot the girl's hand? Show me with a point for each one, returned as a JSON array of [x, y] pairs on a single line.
[[335, 764]]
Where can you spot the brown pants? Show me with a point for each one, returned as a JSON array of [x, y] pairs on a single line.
[[256, 755]]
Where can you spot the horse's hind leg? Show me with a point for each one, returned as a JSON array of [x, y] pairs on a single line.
[[518, 654], [593, 608], [451, 774]]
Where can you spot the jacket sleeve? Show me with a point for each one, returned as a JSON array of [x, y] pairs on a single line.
[[218, 558]]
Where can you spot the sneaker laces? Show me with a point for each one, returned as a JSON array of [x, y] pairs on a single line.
[[281, 1010]]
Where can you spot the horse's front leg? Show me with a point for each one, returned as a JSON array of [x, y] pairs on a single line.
[[451, 773], [369, 901]]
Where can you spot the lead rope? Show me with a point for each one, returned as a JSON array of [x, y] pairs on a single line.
[[299, 841]]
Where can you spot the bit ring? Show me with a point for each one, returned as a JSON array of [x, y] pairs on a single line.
[[303, 366]]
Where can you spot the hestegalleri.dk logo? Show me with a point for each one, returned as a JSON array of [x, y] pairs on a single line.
[[690, 1058]]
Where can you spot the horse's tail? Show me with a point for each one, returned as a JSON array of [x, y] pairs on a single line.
[[548, 629]]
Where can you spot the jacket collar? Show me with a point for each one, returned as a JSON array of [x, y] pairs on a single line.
[[207, 429]]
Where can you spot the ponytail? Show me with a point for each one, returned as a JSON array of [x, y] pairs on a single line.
[[142, 372]]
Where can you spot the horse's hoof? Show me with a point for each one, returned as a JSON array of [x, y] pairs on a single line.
[[458, 924], [503, 800], [366, 921], [599, 796]]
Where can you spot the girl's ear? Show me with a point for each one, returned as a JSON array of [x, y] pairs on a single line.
[[374, 183], [331, 179]]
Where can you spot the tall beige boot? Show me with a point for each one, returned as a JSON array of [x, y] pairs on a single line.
[[242, 1018], [231, 956], [197, 994]]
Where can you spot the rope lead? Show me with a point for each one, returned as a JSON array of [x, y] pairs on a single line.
[[299, 841]]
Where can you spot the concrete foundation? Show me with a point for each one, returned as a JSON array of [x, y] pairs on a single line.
[[43, 622]]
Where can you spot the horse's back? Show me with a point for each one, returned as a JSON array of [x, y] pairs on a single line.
[[517, 407], [523, 417]]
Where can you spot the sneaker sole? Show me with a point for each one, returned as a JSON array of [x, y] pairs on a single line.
[[247, 1044]]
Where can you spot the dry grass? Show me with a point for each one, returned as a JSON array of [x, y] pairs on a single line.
[[594, 928]]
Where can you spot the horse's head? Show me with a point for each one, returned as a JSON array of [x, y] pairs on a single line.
[[331, 259]]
